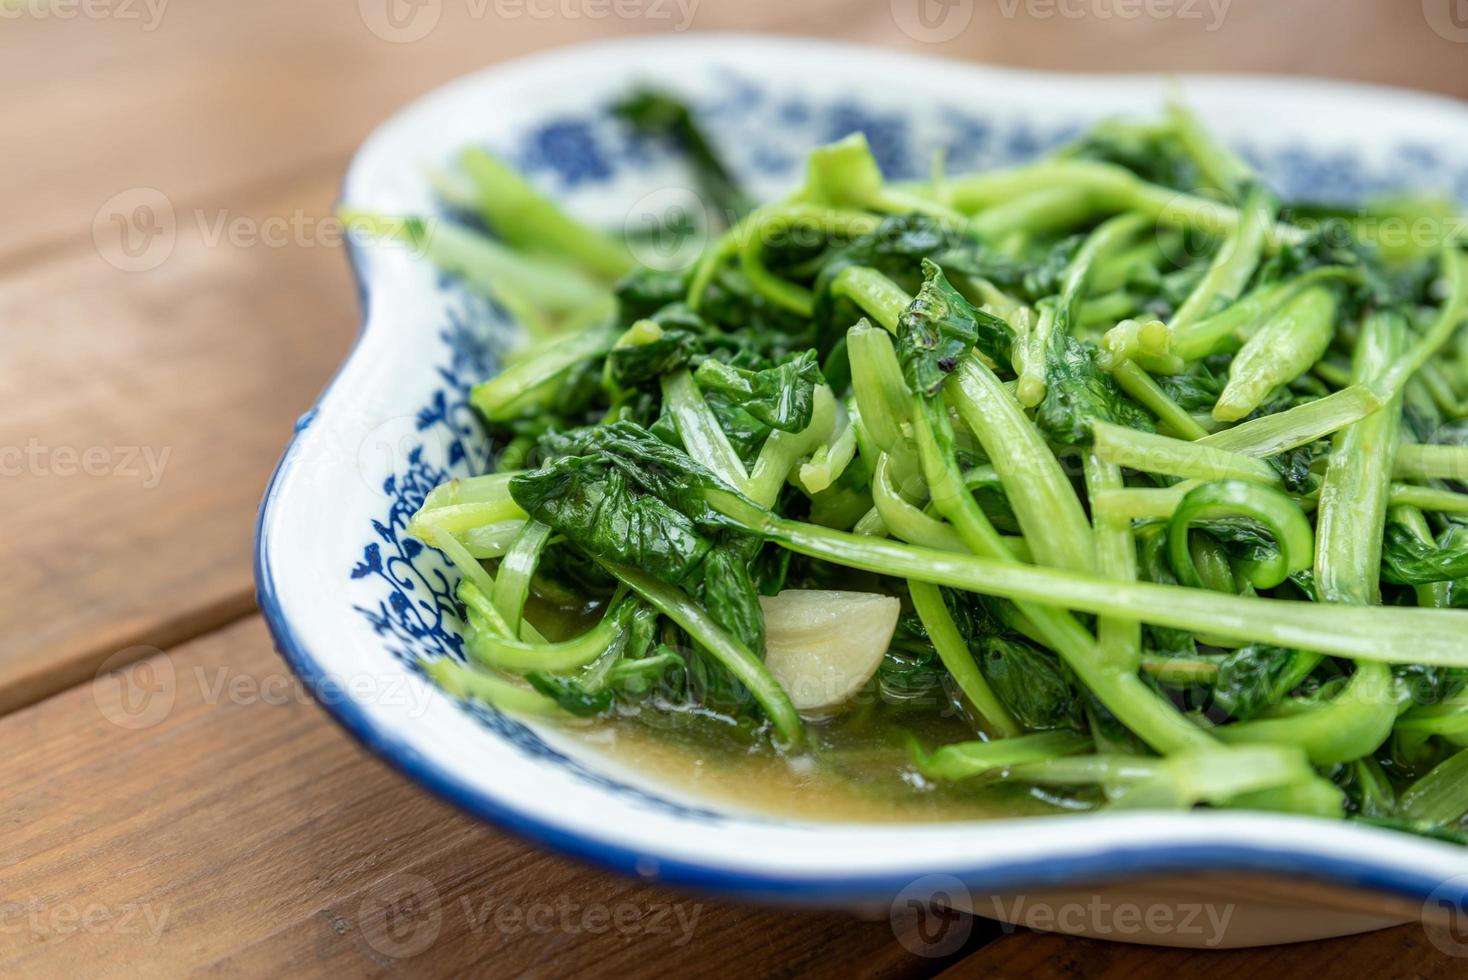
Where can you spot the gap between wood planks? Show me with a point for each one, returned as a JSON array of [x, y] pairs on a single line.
[[25, 688]]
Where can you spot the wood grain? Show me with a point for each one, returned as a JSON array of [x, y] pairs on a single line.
[[230, 827], [257, 835], [181, 384]]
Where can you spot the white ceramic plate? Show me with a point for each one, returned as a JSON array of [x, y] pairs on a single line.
[[352, 602]]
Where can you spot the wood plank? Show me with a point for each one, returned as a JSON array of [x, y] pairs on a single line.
[[228, 825]]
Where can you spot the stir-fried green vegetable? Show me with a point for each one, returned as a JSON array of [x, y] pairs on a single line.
[[1155, 526]]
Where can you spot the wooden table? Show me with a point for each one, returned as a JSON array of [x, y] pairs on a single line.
[[240, 832]]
